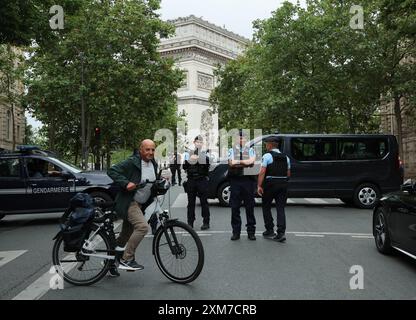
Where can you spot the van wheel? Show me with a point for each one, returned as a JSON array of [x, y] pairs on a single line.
[[224, 194], [365, 196], [381, 232], [99, 196]]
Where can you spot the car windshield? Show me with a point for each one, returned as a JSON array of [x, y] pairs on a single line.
[[67, 165]]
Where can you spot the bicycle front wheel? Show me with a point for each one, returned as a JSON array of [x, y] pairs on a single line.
[[179, 252], [78, 268]]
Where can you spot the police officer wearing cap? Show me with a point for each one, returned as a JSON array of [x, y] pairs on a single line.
[[242, 187], [196, 165], [272, 185]]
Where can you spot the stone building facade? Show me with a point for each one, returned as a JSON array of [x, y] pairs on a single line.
[[389, 126], [7, 114], [6, 125], [198, 48]]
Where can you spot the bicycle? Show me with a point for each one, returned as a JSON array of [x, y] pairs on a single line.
[[174, 245]]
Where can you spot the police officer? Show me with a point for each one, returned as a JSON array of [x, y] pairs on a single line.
[[242, 187], [272, 184], [175, 167], [196, 165]]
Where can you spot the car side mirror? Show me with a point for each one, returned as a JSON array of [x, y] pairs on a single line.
[[67, 175], [409, 186]]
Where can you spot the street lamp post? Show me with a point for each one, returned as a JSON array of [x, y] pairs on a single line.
[[83, 133]]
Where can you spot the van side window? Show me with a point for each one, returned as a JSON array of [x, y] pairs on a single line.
[[362, 149], [314, 149], [260, 146]]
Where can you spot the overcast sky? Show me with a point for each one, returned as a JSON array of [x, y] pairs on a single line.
[[236, 15]]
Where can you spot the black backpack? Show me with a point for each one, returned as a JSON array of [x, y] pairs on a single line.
[[76, 222]]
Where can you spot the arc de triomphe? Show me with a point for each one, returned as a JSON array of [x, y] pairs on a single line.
[[198, 47]]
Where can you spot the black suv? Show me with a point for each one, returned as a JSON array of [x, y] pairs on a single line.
[[36, 181], [358, 169]]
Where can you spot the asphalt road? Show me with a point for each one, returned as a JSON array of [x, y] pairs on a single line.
[[325, 239]]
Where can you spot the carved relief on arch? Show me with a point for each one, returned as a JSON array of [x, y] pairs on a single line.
[[205, 81]]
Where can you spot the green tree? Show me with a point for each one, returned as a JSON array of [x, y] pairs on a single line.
[[306, 71], [397, 41], [107, 60], [25, 21]]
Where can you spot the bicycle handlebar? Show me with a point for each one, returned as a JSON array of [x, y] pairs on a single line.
[[143, 184]]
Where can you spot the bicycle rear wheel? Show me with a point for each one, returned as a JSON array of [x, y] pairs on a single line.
[[79, 269], [179, 252]]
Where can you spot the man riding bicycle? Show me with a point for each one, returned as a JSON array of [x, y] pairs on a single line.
[[128, 175]]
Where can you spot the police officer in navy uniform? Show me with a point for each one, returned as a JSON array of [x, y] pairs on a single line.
[[272, 185], [242, 187], [175, 167], [196, 165]]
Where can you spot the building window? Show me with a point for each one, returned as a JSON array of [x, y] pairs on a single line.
[[8, 124]]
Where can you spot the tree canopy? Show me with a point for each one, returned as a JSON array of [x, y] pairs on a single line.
[[107, 60], [308, 70]]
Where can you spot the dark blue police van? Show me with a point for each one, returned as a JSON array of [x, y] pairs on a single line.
[[357, 169], [36, 181]]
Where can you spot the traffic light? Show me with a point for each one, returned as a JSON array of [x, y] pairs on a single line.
[[97, 133]]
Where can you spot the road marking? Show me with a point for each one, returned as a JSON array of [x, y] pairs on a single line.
[[41, 286], [297, 233], [36, 290], [334, 233], [7, 256], [310, 235], [181, 201], [363, 237], [199, 234]]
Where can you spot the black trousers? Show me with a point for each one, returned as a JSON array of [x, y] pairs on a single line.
[[174, 170], [198, 188], [242, 190], [277, 191]]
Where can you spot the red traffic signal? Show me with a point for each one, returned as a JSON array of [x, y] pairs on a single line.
[[97, 132]]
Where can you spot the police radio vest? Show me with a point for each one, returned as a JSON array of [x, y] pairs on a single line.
[[238, 155], [278, 168], [198, 170]]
